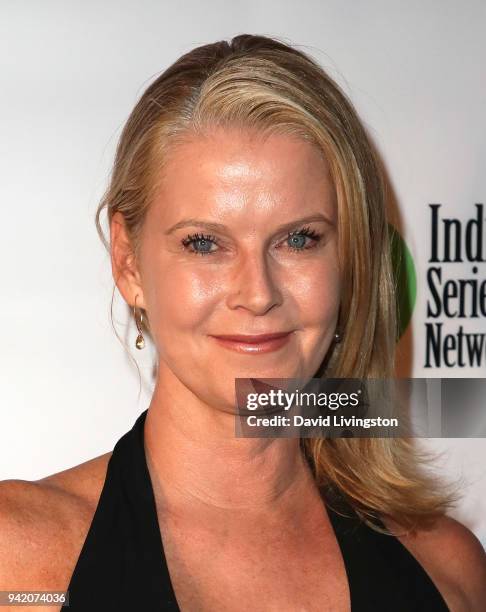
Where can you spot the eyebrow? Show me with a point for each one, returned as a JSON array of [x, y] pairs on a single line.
[[212, 226]]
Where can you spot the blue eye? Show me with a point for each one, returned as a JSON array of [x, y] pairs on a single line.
[[201, 245], [297, 240]]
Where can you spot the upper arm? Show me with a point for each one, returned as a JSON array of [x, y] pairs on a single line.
[[16, 537], [27, 541], [43, 523], [467, 561], [453, 557], [36, 534]]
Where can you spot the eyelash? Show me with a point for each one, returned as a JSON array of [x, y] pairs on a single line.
[[305, 231]]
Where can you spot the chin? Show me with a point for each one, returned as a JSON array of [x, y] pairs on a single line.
[[269, 372]]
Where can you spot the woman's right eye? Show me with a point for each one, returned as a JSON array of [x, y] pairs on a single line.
[[199, 244]]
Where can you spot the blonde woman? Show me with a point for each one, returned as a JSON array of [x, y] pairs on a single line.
[[248, 237]]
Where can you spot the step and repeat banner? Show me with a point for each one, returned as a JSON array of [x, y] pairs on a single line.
[[450, 330], [72, 72]]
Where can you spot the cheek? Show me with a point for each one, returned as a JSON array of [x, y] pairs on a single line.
[[180, 299], [317, 292]]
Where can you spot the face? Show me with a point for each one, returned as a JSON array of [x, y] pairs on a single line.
[[241, 239]]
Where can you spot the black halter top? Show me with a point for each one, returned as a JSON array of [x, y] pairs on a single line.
[[122, 565]]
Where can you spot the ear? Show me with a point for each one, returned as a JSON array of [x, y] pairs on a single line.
[[123, 263]]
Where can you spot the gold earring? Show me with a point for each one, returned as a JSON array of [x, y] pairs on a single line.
[[140, 341]]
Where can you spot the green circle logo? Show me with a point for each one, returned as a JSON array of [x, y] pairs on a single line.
[[405, 278]]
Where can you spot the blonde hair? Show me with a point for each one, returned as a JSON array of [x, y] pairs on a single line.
[[263, 84]]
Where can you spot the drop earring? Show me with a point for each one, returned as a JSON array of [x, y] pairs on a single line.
[[140, 341], [337, 338]]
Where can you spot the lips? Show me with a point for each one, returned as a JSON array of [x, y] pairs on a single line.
[[254, 344], [252, 339]]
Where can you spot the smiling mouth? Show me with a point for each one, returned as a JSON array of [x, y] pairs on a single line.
[[262, 343]]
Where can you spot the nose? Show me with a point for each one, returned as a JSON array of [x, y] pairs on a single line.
[[253, 287]]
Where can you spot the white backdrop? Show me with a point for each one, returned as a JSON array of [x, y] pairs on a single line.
[[72, 72]]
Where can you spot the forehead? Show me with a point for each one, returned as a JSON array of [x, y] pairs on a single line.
[[227, 170]]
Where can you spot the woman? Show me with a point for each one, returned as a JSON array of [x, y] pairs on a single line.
[[248, 234]]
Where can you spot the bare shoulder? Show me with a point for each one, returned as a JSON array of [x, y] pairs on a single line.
[[43, 525], [455, 560]]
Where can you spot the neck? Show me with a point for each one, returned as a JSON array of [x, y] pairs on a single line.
[[196, 462]]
